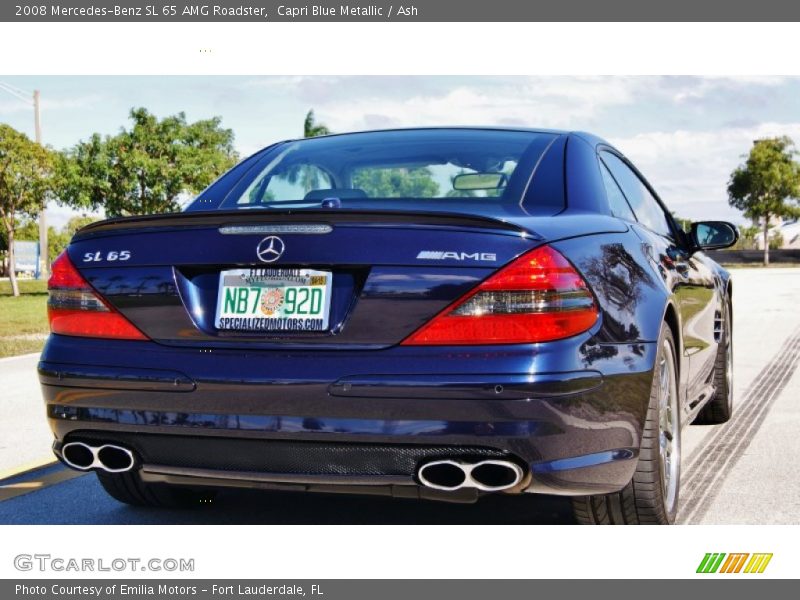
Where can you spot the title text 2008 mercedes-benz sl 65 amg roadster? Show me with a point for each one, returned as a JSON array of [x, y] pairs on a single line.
[[431, 313]]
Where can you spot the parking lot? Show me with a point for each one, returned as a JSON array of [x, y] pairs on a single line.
[[737, 473]]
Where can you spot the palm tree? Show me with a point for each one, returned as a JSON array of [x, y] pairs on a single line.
[[303, 173], [313, 129]]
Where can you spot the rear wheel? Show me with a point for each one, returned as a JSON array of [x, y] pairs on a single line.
[[129, 488], [720, 407], [651, 497]]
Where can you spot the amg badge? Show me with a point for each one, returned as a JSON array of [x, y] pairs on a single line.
[[443, 255]]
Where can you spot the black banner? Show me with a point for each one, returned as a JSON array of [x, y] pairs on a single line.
[[383, 589], [394, 11]]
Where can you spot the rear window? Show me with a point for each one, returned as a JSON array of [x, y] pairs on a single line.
[[387, 168]]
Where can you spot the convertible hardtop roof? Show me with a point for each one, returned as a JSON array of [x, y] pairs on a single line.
[[588, 137]]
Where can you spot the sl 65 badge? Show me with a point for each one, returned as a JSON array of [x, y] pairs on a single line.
[[110, 256]]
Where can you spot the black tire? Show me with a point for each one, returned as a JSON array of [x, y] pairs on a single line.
[[644, 500], [130, 489], [720, 408]]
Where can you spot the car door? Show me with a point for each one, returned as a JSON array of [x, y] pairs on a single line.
[[685, 275]]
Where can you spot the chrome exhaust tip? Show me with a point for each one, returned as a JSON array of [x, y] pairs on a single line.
[[496, 475], [447, 475], [487, 475], [115, 459], [78, 455], [108, 457]]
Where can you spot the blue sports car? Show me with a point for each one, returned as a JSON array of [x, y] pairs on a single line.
[[434, 313]]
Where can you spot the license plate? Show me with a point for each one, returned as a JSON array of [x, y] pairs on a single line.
[[274, 300]]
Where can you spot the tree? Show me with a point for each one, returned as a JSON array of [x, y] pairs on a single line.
[[25, 182], [58, 239], [396, 182], [313, 129], [75, 223], [748, 238], [307, 175], [27, 230], [684, 224], [145, 169], [377, 183], [767, 185]]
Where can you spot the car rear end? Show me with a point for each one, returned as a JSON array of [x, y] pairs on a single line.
[[367, 348]]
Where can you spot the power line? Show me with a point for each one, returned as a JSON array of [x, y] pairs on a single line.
[[22, 95], [32, 99]]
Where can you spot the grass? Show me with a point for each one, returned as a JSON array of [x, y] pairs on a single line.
[[23, 320], [694, 300]]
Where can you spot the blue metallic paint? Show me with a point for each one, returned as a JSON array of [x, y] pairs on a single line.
[[571, 410]]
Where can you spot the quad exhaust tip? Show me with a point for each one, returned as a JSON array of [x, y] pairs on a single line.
[[108, 457], [487, 475]]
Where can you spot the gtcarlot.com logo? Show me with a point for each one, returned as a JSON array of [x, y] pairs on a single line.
[[47, 562], [737, 562]]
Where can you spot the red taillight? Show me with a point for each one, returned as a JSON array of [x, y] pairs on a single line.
[[74, 308], [539, 297]]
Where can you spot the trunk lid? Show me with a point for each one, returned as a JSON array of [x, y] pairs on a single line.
[[391, 271]]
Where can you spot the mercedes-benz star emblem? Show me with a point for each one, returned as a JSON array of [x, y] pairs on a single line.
[[270, 249]]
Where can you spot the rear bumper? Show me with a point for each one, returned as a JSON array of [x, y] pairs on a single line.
[[569, 413]]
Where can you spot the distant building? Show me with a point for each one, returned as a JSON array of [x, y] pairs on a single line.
[[790, 232]]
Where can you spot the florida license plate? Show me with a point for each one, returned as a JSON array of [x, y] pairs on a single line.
[[274, 300]]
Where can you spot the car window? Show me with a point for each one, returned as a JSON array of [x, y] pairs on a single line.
[[616, 199], [288, 185], [397, 167], [646, 208]]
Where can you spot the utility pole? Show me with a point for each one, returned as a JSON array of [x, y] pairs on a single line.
[[44, 262], [25, 97]]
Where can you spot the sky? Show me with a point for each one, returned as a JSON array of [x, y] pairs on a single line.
[[686, 134]]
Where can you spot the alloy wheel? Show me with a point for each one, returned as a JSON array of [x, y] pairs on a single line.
[[669, 442]]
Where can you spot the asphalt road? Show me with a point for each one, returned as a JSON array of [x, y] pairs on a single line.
[[737, 473]]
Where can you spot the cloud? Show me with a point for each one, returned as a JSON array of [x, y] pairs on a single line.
[[686, 133], [699, 126], [52, 104], [349, 103], [690, 169], [543, 102]]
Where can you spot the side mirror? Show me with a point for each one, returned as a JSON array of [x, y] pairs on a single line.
[[712, 235]]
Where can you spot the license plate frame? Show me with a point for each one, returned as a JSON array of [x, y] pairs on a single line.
[[268, 302]]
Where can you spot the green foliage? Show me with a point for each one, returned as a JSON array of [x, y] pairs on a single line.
[[57, 239], [377, 183], [28, 230], [396, 183], [309, 177], [313, 129], [684, 224], [145, 169], [25, 176], [306, 175], [768, 184], [25, 183], [76, 223], [748, 238]]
